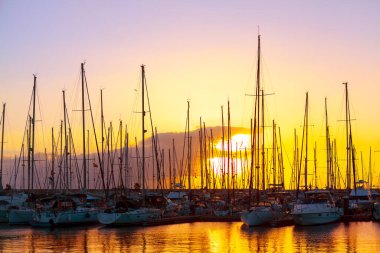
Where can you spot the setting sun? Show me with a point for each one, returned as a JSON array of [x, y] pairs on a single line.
[[238, 142]]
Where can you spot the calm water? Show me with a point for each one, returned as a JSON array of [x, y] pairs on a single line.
[[195, 237]]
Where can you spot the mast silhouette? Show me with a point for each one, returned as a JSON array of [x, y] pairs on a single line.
[[143, 131], [2, 148], [33, 121], [83, 133]]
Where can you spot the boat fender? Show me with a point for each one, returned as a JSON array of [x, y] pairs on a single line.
[[87, 215], [51, 222]]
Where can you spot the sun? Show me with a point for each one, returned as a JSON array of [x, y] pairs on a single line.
[[238, 142]]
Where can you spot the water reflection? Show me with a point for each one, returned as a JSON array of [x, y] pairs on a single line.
[[195, 237]]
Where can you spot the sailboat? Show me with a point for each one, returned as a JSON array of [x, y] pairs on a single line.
[[262, 212], [66, 210], [318, 207], [129, 215]]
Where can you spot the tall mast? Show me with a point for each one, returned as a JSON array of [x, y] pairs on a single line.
[[348, 142], [121, 155], [307, 132], [126, 154], [102, 127], [281, 161], [201, 149], [61, 154], [370, 168], [263, 140], [52, 159], [228, 151], [143, 131], [274, 158], [257, 117], [223, 153], [328, 152], [29, 135], [83, 133], [2, 148], [65, 166], [205, 155], [188, 148], [33, 128], [174, 164], [315, 165], [251, 167]]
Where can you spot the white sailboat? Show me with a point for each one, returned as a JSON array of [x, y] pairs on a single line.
[[317, 208], [133, 216], [65, 211], [261, 213]]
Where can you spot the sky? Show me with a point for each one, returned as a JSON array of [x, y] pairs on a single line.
[[204, 52]]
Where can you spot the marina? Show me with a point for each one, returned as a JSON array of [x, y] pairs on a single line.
[[189, 126]]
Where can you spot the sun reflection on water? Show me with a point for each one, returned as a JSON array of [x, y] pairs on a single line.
[[195, 237]]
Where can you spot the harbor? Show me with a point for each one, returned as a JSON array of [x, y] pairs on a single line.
[[189, 126]]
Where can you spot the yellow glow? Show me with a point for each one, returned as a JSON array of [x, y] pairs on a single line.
[[238, 142]]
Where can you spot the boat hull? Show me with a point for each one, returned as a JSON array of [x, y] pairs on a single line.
[[4, 216], [65, 218], [134, 217], [258, 216], [376, 211], [307, 219], [21, 217]]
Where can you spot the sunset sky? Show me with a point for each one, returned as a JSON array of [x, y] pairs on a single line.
[[201, 51]]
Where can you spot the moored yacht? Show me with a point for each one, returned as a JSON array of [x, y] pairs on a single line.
[[65, 211], [360, 199], [261, 214], [317, 208]]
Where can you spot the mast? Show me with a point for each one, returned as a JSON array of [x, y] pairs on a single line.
[[223, 153], [274, 157], [61, 154], [201, 149], [121, 156], [174, 165], [257, 117], [83, 133], [29, 135], [143, 131], [281, 161], [2, 148], [251, 167], [228, 152], [102, 127], [328, 152], [348, 143], [263, 141], [65, 165], [307, 133], [205, 156], [126, 154], [315, 165], [52, 159], [170, 171], [188, 148], [370, 168], [33, 128]]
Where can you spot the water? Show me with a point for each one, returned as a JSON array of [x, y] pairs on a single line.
[[195, 237]]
